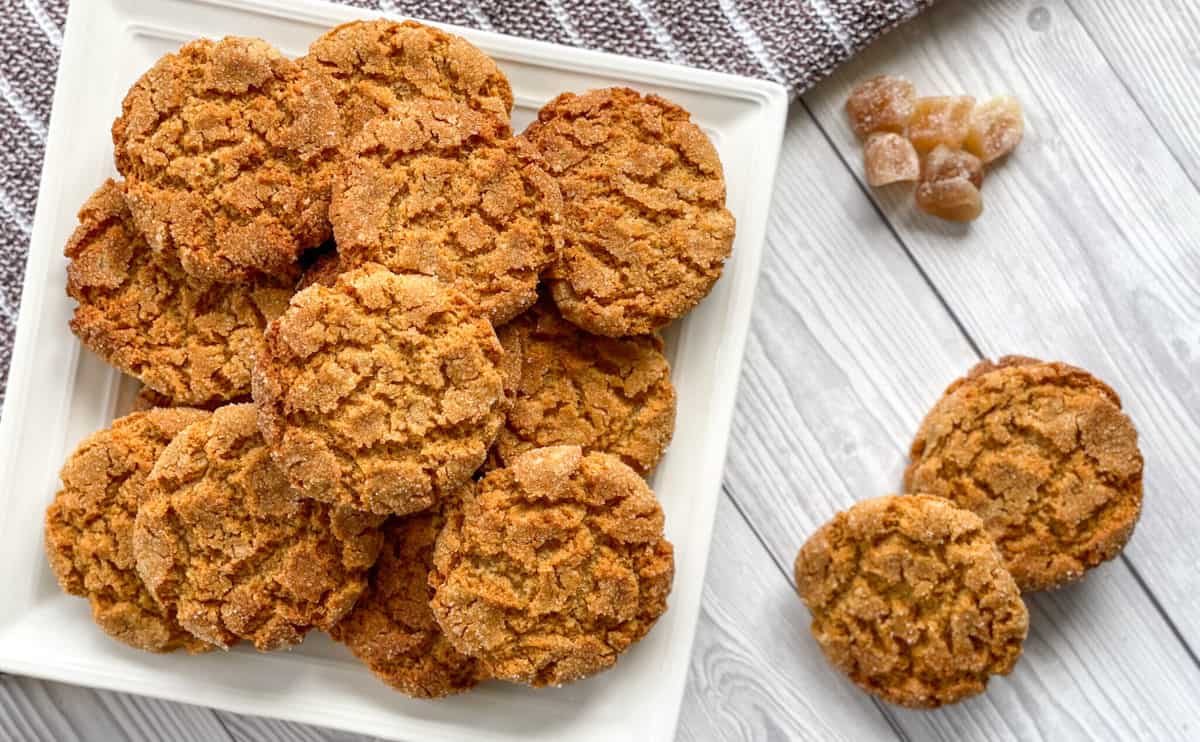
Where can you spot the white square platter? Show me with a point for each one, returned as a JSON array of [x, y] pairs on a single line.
[[58, 393]]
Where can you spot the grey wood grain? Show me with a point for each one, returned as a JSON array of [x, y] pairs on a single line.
[[1086, 251], [847, 351], [1159, 64]]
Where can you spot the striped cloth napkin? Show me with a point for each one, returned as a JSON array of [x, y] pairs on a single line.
[[794, 42]]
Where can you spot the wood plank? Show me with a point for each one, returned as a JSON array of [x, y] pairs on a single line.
[[848, 349], [38, 710], [755, 672], [1086, 251], [1154, 47]]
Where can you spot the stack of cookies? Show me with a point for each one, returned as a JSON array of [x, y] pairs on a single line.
[[402, 377], [1023, 477]]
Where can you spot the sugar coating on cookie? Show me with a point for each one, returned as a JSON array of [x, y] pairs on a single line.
[[187, 339], [89, 528], [553, 567], [437, 188], [392, 629], [228, 148], [381, 391], [240, 554], [911, 600], [1043, 453], [604, 394], [645, 228], [374, 65]]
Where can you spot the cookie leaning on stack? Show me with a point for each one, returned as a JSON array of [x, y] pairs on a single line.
[[307, 407]]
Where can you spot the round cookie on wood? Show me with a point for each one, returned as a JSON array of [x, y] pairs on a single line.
[[437, 188], [645, 228], [380, 392], [89, 528], [240, 554], [553, 567], [392, 629], [374, 65], [604, 394], [228, 148], [1043, 453], [911, 600], [187, 339]]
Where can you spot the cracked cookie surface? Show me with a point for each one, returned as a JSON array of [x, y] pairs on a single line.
[[552, 567], [372, 66], [223, 538], [187, 339], [604, 394], [228, 148], [380, 392], [911, 600], [1043, 453], [89, 528], [392, 629], [436, 188], [645, 228]]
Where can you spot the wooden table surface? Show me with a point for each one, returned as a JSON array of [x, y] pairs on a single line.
[[1088, 251]]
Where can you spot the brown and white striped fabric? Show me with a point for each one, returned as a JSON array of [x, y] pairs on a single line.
[[794, 42]]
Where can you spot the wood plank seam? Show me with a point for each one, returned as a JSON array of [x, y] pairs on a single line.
[[1132, 97], [788, 577]]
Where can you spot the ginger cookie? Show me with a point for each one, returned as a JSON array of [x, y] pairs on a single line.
[[380, 392], [1044, 455], [645, 228], [604, 394], [89, 528], [436, 188], [374, 65], [553, 567], [228, 148], [910, 599], [392, 629], [240, 554], [187, 339]]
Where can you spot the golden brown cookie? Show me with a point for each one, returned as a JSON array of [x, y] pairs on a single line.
[[374, 65], [553, 568], [228, 148], [645, 228], [89, 528], [1043, 453], [187, 339], [392, 629], [223, 538], [604, 394], [436, 188], [381, 391], [910, 599]]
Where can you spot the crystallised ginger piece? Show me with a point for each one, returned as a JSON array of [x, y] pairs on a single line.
[[996, 128], [943, 163], [890, 158], [940, 120], [882, 103], [953, 199]]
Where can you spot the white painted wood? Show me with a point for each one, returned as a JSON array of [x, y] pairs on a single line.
[[1160, 64], [1087, 248], [848, 349]]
